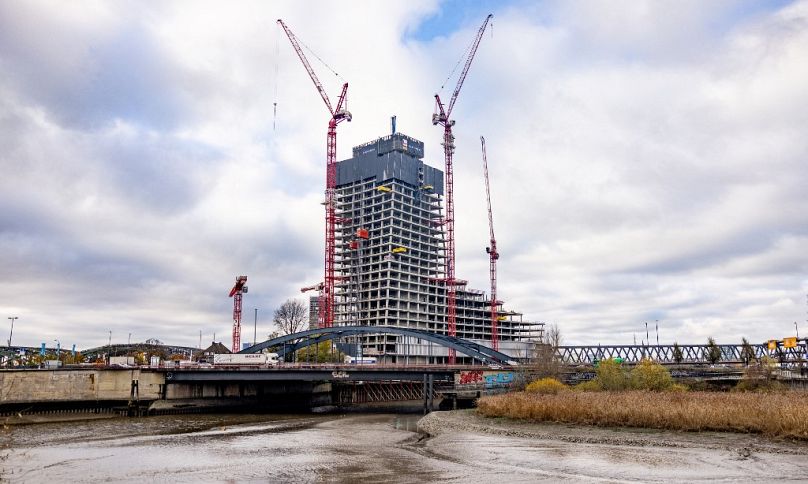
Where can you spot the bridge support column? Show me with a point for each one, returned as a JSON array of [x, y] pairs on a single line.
[[431, 391], [424, 394], [429, 386]]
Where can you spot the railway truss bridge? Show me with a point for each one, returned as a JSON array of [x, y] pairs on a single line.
[[683, 354]]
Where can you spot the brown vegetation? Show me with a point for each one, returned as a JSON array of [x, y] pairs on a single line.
[[775, 414], [546, 386]]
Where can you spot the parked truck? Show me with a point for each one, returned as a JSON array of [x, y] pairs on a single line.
[[245, 359], [362, 360]]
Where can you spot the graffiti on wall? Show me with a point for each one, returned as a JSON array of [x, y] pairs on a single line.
[[502, 378], [470, 377], [489, 378]]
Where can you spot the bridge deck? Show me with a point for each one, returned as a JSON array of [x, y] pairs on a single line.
[[335, 373]]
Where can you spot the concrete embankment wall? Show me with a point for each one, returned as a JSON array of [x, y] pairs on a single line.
[[69, 385], [69, 390]]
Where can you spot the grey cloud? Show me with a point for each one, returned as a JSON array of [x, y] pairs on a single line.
[[88, 77], [638, 173]]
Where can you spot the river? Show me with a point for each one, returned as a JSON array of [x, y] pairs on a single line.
[[356, 448]]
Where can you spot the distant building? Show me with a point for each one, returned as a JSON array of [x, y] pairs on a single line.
[[214, 349], [314, 311]]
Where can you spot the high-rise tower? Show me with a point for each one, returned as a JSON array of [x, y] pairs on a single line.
[[390, 255]]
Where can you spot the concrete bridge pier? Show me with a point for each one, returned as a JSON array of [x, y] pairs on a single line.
[[257, 396], [429, 391]]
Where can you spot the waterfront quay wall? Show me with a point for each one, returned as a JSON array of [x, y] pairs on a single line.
[[33, 391], [72, 385]]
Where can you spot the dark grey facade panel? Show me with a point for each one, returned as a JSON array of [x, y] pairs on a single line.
[[394, 142], [368, 163]]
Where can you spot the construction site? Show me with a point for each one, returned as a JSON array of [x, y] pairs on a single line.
[[390, 244]]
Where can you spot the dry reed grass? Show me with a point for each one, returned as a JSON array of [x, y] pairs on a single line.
[[774, 414]]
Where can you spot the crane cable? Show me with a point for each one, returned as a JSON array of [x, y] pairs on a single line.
[[277, 63], [318, 58], [463, 57], [459, 61], [277, 55]]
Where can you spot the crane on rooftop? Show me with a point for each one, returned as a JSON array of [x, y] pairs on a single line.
[[338, 113], [442, 117], [238, 290], [493, 255]]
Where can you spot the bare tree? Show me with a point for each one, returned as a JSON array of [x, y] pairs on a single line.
[[546, 362], [552, 336], [290, 316]]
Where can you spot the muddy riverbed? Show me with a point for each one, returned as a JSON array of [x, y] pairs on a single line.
[[381, 447]]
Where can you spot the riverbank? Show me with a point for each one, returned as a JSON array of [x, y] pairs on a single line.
[[382, 447], [471, 421], [777, 414]]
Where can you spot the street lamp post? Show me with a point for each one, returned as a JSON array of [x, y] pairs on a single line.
[[12, 318], [656, 324], [255, 328], [647, 339]]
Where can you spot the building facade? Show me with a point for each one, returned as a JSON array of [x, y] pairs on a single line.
[[390, 257], [314, 311]]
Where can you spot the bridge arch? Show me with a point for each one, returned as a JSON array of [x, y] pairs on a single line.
[[295, 341]]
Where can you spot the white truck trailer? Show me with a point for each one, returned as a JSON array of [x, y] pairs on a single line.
[[255, 359]]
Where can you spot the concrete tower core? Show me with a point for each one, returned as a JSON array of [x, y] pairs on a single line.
[[390, 257]]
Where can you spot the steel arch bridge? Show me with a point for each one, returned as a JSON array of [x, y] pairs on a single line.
[[295, 341]]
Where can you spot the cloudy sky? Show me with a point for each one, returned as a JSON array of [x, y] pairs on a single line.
[[648, 159]]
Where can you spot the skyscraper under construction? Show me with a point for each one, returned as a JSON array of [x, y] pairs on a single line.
[[390, 258]]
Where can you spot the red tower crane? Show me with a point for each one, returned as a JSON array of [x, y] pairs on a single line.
[[338, 114], [441, 117], [238, 289], [493, 255]]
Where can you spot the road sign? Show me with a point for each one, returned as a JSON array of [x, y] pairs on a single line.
[[772, 344], [790, 342]]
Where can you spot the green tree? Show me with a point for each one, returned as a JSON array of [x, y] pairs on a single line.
[[322, 352], [712, 353], [747, 352], [677, 353], [650, 375]]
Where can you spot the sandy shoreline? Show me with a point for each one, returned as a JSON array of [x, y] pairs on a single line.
[[437, 423]]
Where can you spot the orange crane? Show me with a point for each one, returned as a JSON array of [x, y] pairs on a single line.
[[493, 255], [338, 114], [238, 289], [441, 117]]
